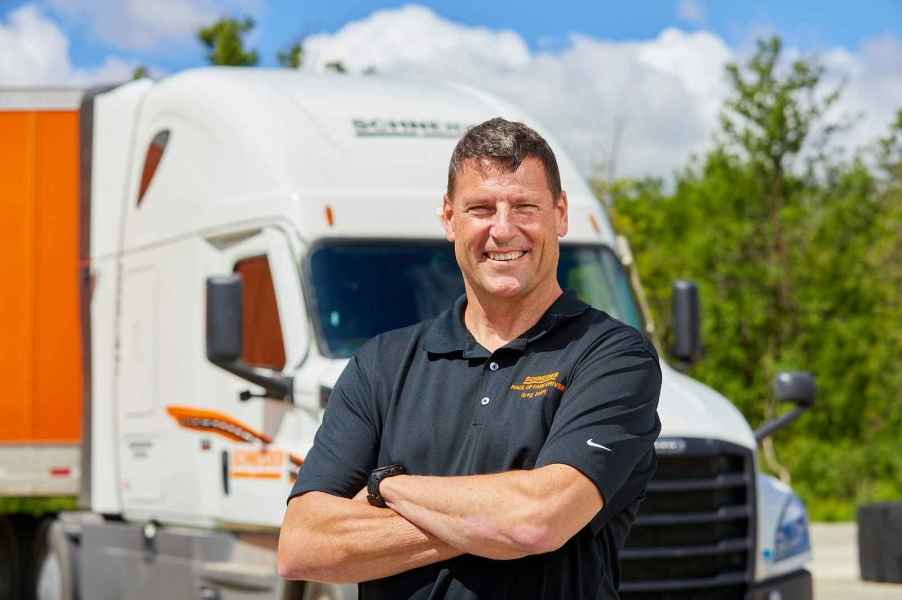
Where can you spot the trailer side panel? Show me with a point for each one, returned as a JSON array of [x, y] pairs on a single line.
[[40, 355]]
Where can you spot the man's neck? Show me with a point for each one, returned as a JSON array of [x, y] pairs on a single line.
[[494, 321]]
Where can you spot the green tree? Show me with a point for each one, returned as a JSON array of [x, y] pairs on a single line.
[[769, 117], [292, 56], [889, 151], [140, 72], [224, 41], [796, 253]]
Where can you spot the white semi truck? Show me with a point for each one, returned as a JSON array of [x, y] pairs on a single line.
[[235, 236]]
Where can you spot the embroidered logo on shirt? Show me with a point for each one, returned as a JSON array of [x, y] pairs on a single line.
[[537, 385], [594, 445]]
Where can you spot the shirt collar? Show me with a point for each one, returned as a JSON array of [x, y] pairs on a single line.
[[448, 333]]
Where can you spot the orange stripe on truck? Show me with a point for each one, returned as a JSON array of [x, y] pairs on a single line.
[[216, 422], [255, 475]]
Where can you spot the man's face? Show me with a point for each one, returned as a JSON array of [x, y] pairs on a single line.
[[505, 228]]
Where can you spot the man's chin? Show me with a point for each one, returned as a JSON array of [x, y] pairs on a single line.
[[504, 289]]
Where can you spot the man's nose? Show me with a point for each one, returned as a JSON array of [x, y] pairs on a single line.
[[502, 228]]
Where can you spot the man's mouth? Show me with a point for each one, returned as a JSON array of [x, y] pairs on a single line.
[[505, 256]]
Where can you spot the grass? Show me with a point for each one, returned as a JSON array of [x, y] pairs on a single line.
[[38, 506]]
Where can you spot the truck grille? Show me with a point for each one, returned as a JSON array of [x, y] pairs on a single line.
[[694, 536]]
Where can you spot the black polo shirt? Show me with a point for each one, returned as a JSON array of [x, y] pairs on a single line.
[[579, 388]]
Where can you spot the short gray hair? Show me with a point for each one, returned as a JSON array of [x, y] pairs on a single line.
[[506, 144]]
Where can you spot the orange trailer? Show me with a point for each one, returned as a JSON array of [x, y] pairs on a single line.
[[40, 345]]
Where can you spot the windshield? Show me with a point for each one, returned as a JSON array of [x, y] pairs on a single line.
[[362, 289]]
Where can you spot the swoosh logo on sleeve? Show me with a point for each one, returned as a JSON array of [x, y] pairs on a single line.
[[594, 445]]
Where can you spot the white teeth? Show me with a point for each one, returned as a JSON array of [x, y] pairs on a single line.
[[505, 256]]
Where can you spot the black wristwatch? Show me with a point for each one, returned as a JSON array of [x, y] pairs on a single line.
[[376, 476]]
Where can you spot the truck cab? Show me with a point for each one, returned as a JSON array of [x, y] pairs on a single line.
[[244, 231]]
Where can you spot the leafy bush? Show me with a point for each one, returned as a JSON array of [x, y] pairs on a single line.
[[798, 258], [37, 506]]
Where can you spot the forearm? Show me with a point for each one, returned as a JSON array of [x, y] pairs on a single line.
[[502, 516], [343, 541]]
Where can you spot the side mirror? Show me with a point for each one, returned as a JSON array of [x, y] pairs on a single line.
[[224, 340], [795, 386], [798, 387], [224, 316], [687, 344]]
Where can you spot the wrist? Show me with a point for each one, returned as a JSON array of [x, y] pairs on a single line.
[[377, 478]]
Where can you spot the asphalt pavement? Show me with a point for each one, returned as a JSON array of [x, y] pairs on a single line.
[[835, 566]]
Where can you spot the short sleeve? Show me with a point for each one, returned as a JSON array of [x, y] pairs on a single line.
[[607, 421], [346, 445]]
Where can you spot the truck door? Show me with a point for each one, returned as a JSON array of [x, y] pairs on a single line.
[[137, 385], [176, 410], [274, 337]]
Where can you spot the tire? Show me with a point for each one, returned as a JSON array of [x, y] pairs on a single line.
[[292, 590], [10, 561], [329, 591], [53, 573]]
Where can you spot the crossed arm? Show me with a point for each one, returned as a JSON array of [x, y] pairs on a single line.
[[430, 519]]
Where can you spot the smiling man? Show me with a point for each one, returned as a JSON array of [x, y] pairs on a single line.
[[501, 449]]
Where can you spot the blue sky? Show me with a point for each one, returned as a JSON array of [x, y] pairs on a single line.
[[807, 25], [638, 85]]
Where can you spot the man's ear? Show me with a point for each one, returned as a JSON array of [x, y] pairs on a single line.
[[561, 209], [447, 213]]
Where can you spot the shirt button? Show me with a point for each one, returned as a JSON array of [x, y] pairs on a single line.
[[493, 366], [485, 401]]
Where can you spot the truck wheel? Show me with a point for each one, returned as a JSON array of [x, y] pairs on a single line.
[[9, 561], [329, 591], [53, 575]]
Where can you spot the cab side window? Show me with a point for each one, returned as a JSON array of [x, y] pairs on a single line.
[[262, 332], [151, 161]]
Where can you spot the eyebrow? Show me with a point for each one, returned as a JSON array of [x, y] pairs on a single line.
[[472, 200]]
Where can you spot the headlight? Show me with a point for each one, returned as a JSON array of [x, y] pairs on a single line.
[[792, 532]]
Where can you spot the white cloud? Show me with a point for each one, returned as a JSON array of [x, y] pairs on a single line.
[[872, 86], [34, 51], [691, 11], [149, 25], [660, 96], [113, 70], [412, 37]]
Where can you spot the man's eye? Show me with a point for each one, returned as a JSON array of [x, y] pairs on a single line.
[[527, 209], [479, 211]]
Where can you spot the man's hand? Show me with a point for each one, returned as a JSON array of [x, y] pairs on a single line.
[[340, 540], [501, 516]]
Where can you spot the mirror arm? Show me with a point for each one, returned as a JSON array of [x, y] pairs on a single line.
[[773, 425], [276, 385]]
